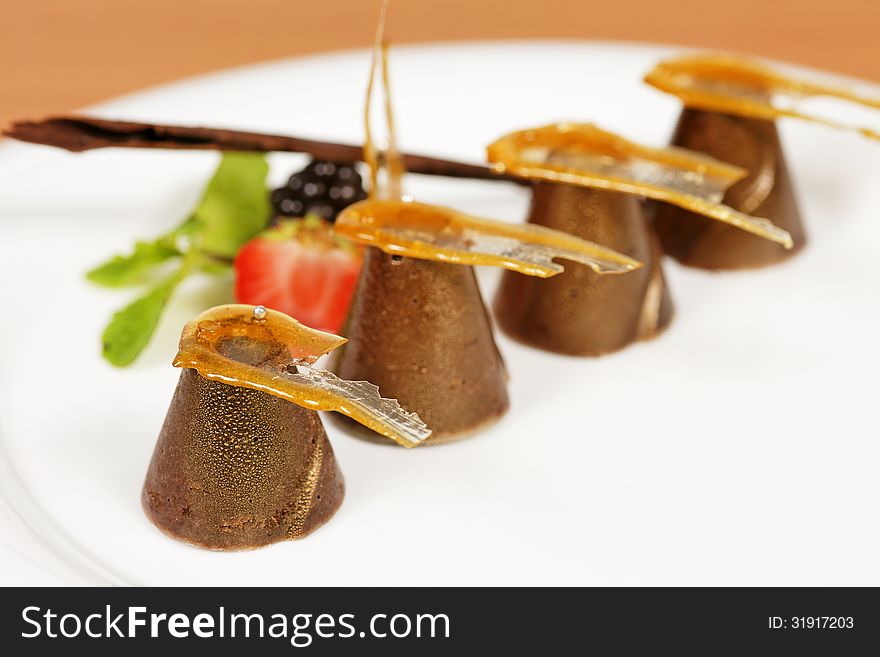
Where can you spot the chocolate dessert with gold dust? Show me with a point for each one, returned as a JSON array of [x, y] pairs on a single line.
[[731, 105], [589, 183], [418, 326], [242, 459]]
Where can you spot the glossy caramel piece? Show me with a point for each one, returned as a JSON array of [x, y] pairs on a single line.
[[577, 312], [582, 154], [419, 330], [265, 350], [605, 158], [731, 84], [235, 468], [754, 145], [431, 232]]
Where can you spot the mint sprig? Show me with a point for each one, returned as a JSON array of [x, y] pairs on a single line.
[[235, 205], [130, 329], [134, 268], [234, 208]]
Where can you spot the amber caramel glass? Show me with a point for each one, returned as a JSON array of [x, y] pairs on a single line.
[[584, 155], [749, 88], [266, 350]]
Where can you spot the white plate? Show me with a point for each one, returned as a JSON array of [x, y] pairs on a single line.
[[739, 448]]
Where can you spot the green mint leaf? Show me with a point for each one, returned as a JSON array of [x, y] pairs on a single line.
[[235, 205], [209, 264], [133, 268], [190, 227], [234, 208], [130, 329]]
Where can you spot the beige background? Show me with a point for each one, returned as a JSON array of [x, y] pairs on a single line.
[[57, 55]]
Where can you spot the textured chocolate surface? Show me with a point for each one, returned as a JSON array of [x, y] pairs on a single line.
[[766, 192], [420, 331], [236, 468], [579, 312]]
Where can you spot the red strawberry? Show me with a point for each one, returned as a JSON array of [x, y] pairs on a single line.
[[300, 268]]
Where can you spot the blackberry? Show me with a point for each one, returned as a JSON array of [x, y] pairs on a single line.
[[322, 188]]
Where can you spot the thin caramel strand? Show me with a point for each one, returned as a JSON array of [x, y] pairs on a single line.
[[384, 162], [435, 233], [393, 161], [736, 85], [584, 155], [428, 232], [281, 354]]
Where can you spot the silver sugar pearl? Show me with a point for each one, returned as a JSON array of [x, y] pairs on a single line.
[[259, 312]]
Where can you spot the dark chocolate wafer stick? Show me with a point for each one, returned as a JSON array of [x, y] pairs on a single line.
[[83, 133]]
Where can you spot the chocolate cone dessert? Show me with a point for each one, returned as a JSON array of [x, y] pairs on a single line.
[[577, 312], [236, 468], [420, 331], [767, 191], [242, 459]]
